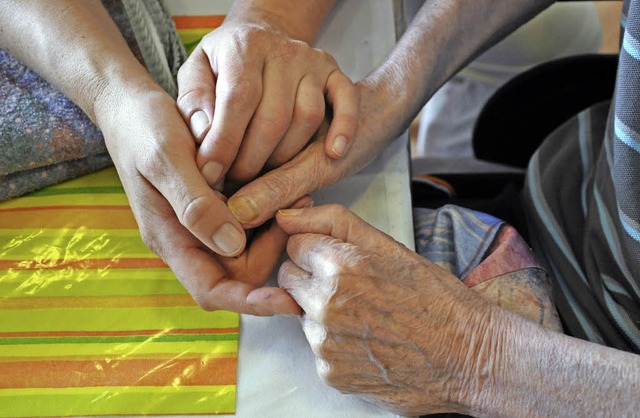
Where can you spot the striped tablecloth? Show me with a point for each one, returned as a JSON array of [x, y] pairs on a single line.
[[92, 322]]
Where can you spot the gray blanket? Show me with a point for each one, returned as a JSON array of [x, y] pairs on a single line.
[[44, 137]]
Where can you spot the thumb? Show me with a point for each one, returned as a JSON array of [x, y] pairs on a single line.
[[344, 98], [258, 201]]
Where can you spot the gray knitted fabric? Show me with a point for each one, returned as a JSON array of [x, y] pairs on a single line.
[[155, 33], [45, 138]]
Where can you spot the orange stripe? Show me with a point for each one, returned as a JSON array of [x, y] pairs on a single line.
[[89, 263], [118, 333], [69, 218], [127, 356], [198, 22], [138, 372], [86, 207], [96, 301]]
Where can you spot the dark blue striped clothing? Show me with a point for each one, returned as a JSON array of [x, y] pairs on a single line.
[[582, 199]]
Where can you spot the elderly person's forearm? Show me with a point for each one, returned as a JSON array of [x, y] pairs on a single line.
[[442, 38], [536, 372]]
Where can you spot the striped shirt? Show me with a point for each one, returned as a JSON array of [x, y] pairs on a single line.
[[582, 198]]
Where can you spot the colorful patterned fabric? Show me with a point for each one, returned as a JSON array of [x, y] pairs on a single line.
[[488, 256], [93, 323], [192, 29], [583, 201]]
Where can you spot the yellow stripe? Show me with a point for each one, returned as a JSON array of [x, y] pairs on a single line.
[[53, 233], [79, 276], [193, 33], [75, 246], [102, 178], [114, 319], [80, 283], [213, 349], [118, 401]]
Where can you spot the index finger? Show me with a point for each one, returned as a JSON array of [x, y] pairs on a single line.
[[238, 93], [339, 222]]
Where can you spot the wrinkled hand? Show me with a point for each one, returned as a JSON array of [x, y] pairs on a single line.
[[180, 217], [382, 321], [254, 97]]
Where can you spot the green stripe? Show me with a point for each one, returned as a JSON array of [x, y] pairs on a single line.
[[78, 190], [118, 400], [120, 339], [113, 319]]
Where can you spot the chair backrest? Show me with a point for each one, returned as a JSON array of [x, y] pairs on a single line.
[[524, 111]]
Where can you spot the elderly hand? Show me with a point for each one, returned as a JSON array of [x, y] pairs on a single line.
[[253, 97], [382, 321], [312, 169], [180, 217]]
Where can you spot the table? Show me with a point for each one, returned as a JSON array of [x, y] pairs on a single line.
[[276, 370]]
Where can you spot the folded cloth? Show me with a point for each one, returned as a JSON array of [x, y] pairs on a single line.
[[489, 256], [45, 138]]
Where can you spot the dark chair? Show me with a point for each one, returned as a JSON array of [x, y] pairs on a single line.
[[523, 112], [511, 126]]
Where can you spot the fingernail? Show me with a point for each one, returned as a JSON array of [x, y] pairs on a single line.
[[198, 123], [339, 145], [228, 239], [290, 212], [243, 208], [211, 172]]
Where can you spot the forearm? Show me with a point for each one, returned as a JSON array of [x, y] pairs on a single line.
[[542, 373], [442, 38], [75, 45], [299, 19]]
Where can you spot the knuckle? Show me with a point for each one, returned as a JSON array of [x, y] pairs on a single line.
[[278, 185], [310, 114], [289, 50], [195, 211], [326, 57], [205, 303], [338, 211], [249, 35], [188, 100], [272, 123], [151, 164], [225, 146], [322, 348], [326, 372], [243, 94]]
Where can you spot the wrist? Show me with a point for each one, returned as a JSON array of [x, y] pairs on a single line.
[[505, 368], [120, 97], [383, 113], [294, 19], [483, 349]]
